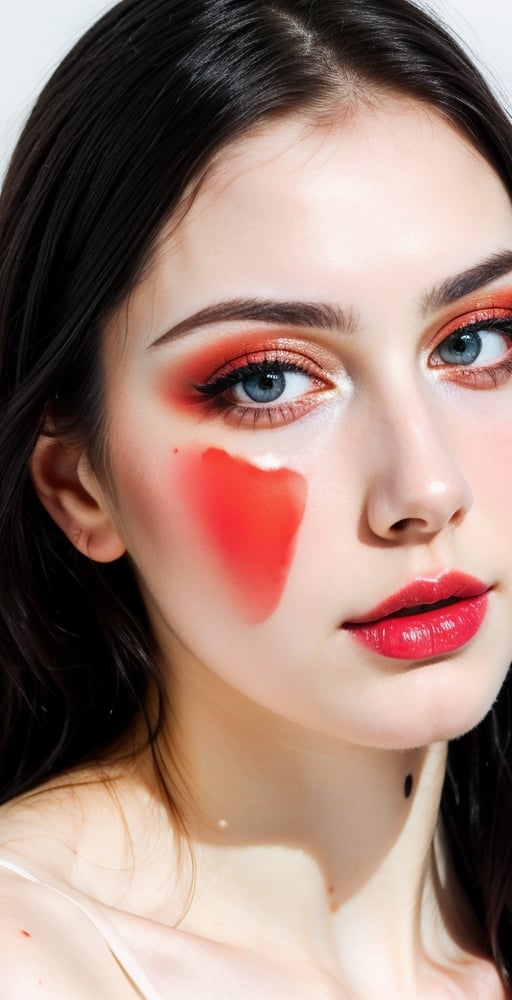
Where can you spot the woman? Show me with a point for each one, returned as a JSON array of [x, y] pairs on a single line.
[[256, 380]]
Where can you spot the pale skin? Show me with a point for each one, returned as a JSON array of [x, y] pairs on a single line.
[[315, 876]]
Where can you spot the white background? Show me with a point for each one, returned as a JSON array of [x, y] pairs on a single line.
[[35, 34]]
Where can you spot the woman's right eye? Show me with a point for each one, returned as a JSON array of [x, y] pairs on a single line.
[[261, 383], [270, 390]]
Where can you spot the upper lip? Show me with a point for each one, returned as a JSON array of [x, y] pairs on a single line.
[[451, 585]]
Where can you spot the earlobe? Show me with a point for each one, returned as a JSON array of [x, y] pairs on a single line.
[[72, 496]]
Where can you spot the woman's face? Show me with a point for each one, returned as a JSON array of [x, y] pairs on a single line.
[[309, 399]]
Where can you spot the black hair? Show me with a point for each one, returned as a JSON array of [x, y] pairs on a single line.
[[128, 123]]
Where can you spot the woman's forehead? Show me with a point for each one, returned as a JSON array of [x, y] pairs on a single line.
[[304, 207]]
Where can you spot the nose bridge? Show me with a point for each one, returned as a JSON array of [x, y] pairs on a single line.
[[416, 485]]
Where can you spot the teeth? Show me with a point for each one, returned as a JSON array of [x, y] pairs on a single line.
[[420, 609]]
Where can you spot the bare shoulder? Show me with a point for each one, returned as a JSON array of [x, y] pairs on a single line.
[[49, 948]]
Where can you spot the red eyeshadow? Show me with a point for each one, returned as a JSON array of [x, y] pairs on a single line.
[[500, 298], [494, 304], [177, 385], [480, 315], [250, 517]]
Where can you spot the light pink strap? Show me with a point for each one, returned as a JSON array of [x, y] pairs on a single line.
[[117, 946]]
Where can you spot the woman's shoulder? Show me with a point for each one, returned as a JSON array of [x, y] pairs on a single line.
[[56, 938], [49, 947]]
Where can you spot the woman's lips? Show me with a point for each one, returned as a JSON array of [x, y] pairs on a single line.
[[428, 617]]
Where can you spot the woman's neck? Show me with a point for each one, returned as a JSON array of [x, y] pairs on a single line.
[[306, 843], [305, 850]]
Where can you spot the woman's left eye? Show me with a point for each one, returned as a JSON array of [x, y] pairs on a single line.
[[482, 352], [464, 347]]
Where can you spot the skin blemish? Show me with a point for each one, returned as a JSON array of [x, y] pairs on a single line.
[[25, 933], [408, 783], [250, 517]]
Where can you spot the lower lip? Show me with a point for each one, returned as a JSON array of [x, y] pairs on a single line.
[[419, 637]]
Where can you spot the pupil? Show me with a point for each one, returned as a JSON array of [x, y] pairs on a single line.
[[265, 387], [462, 343], [461, 348]]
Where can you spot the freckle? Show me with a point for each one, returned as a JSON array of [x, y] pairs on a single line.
[[408, 786], [25, 934], [331, 890]]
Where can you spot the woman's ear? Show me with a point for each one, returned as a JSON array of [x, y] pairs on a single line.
[[72, 496]]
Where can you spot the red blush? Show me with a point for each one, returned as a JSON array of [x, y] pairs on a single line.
[[250, 517]]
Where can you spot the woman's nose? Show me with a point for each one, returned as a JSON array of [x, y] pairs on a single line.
[[416, 486]]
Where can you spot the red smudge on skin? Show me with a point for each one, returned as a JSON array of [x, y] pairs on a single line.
[[251, 517], [25, 934]]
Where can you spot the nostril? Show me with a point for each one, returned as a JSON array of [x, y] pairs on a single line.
[[404, 523], [459, 515], [427, 504], [422, 524]]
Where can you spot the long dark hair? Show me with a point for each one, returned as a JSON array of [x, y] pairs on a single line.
[[128, 123]]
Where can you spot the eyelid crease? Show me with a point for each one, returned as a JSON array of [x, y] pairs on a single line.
[[232, 374], [496, 319], [237, 374]]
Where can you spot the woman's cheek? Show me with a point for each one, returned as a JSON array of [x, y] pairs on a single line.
[[248, 518]]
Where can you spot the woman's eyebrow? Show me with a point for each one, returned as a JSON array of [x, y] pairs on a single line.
[[472, 280], [324, 316], [286, 313]]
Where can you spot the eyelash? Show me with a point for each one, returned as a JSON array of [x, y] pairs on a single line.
[[273, 363]]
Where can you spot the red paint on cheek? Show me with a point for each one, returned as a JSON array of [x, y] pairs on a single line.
[[250, 517]]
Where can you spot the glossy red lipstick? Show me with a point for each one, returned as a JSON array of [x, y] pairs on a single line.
[[427, 618]]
